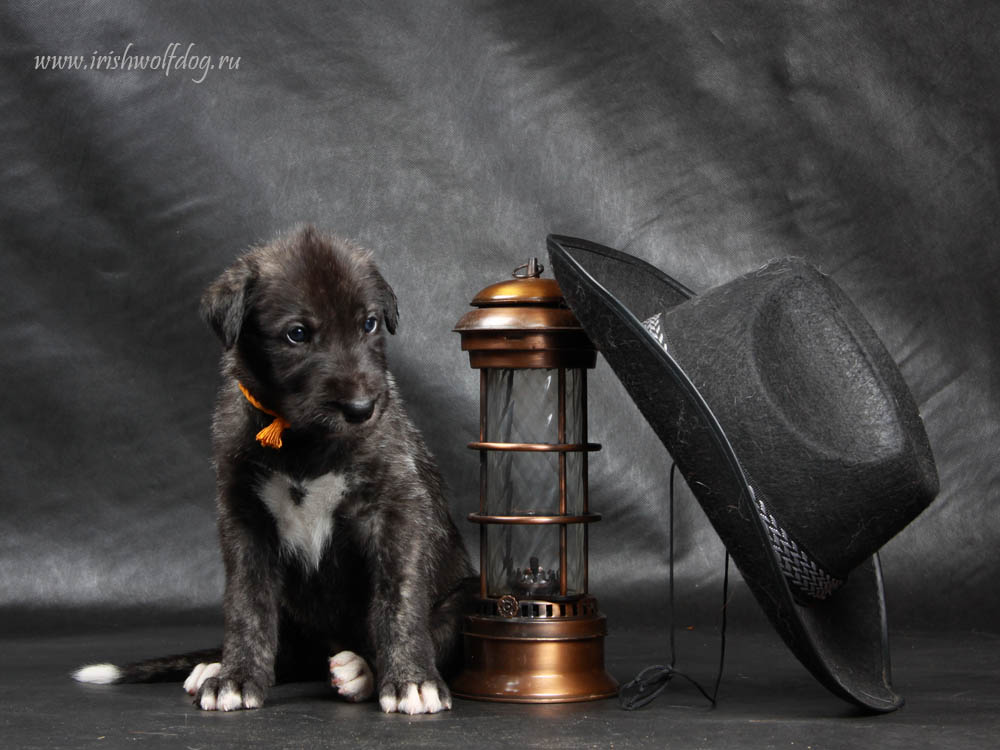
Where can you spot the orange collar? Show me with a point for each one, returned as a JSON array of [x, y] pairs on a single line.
[[270, 436]]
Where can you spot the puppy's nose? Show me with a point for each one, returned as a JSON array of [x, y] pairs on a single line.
[[357, 411]]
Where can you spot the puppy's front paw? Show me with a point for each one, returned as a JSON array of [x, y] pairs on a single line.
[[229, 694], [352, 676], [427, 697]]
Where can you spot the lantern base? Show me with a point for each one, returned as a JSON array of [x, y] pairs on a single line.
[[526, 660]]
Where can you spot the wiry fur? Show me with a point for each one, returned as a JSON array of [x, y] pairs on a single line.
[[362, 553]]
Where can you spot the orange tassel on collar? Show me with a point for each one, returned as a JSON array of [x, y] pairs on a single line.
[[270, 436]]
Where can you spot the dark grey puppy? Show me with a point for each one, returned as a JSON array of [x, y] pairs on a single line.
[[338, 547]]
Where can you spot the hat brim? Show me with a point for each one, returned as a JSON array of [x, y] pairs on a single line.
[[843, 640]]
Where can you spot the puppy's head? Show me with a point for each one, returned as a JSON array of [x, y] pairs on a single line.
[[302, 323]]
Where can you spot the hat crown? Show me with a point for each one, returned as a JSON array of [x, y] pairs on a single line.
[[814, 407], [823, 405]]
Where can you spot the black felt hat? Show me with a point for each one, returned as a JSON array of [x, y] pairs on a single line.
[[792, 426]]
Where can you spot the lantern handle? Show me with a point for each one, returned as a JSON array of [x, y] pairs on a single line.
[[530, 270]]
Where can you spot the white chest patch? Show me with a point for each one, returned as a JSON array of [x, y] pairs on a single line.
[[303, 512]]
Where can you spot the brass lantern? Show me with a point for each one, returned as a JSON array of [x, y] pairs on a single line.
[[535, 635]]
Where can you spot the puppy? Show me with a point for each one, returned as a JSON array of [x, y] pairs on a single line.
[[336, 539]]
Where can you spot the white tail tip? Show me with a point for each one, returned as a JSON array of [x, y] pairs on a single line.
[[98, 674]]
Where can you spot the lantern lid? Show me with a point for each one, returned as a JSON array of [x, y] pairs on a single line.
[[527, 287], [524, 322], [524, 302]]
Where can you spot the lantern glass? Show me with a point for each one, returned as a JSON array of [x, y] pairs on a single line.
[[523, 406]]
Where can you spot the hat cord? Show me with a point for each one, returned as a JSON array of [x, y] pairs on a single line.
[[653, 680]]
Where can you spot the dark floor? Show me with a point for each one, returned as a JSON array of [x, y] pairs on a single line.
[[767, 700]]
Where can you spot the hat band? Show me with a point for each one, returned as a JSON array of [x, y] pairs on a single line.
[[807, 580]]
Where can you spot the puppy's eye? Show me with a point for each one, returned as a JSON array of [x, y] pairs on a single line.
[[371, 324], [297, 334]]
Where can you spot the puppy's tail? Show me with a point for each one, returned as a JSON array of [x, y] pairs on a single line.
[[161, 669]]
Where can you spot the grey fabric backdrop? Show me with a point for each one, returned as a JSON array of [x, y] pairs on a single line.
[[451, 138]]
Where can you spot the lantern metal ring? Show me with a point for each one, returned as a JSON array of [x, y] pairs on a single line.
[[531, 519]]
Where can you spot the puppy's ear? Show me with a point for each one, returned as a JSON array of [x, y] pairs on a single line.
[[390, 309], [223, 305]]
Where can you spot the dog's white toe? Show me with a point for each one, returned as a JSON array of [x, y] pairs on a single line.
[[410, 702], [208, 701], [230, 700], [431, 699], [192, 679], [352, 676], [251, 702], [199, 674], [388, 703]]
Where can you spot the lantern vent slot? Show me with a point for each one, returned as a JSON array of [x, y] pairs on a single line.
[[585, 606]]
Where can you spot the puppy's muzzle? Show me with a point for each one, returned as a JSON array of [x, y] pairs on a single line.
[[357, 411]]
